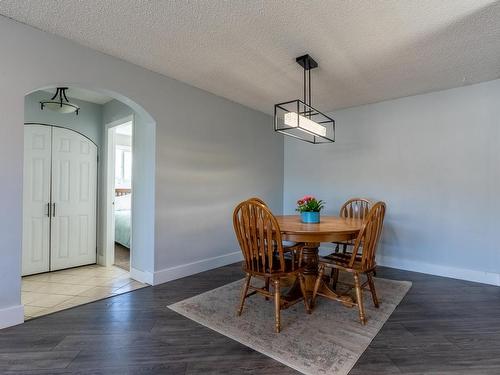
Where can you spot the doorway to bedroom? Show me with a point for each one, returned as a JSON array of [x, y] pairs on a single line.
[[120, 159]]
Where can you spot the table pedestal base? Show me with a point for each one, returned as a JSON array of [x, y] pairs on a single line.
[[325, 291], [330, 229], [310, 257], [310, 260]]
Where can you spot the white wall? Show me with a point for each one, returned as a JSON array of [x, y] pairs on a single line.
[[435, 160], [210, 153]]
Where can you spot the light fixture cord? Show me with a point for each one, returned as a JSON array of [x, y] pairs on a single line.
[[305, 96], [307, 90], [310, 99]]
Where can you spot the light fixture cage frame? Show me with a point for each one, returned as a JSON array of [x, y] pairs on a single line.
[[61, 102], [303, 109], [305, 112]]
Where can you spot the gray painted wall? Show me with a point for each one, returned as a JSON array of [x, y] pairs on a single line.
[[88, 122], [221, 155], [210, 152], [435, 160]]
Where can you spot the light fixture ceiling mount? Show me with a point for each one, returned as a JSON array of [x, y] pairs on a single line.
[[60, 103], [298, 119]]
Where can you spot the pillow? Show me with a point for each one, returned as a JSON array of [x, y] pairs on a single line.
[[123, 202]]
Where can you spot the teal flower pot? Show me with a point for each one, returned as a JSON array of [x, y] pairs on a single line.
[[309, 217]]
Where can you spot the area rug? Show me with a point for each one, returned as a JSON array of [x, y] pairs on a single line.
[[329, 341]]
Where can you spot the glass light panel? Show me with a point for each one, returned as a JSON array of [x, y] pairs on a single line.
[[56, 106], [299, 120], [295, 120]]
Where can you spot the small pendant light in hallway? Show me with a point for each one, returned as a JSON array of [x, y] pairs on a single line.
[[60, 103]]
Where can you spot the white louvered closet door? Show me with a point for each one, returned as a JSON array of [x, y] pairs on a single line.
[[36, 199], [74, 194]]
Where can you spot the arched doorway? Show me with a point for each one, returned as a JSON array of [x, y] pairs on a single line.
[[100, 109]]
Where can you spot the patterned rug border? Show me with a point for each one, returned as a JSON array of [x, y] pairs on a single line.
[[176, 307]]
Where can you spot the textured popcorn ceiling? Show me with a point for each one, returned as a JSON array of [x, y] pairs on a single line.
[[244, 50]]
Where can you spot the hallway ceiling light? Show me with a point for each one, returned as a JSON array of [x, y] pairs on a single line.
[[298, 119], [60, 103]]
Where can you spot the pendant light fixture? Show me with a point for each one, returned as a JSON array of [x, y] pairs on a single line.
[[298, 119], [60, 103]]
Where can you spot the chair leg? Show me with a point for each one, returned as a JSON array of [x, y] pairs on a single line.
[[359, 298], [277, 305], [372, 289], [244, 292], [325, 275], [304, 293], [321, 271], [344, 250], [267, 287], [335, 278]]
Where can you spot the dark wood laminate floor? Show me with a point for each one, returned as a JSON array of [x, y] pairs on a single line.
[[443, 326]]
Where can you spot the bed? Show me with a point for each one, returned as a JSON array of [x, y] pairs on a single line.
[[123, 204]]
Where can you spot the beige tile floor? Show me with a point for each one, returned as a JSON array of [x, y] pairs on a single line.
[[54, 291]]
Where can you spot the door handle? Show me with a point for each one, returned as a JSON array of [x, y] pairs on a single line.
[[53, 210], [49, 211]]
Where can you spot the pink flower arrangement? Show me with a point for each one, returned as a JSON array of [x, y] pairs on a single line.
[[308, 203]]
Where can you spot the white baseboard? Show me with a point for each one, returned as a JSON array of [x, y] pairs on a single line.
[[141, 276], [438, 270], [188, 269], [431, 269], [11, 316]]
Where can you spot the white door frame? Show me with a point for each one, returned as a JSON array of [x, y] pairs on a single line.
[[109, 225]]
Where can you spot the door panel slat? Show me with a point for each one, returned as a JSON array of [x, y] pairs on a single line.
[[75, 199], [36, 197]]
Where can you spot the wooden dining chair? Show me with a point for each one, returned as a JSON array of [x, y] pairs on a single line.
[[259, 237], [258, 200], [354, 208], [261, 201], [290, 248], [356, 264]]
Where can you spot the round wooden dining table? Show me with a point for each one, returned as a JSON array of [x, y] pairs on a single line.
[[329, 229]]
